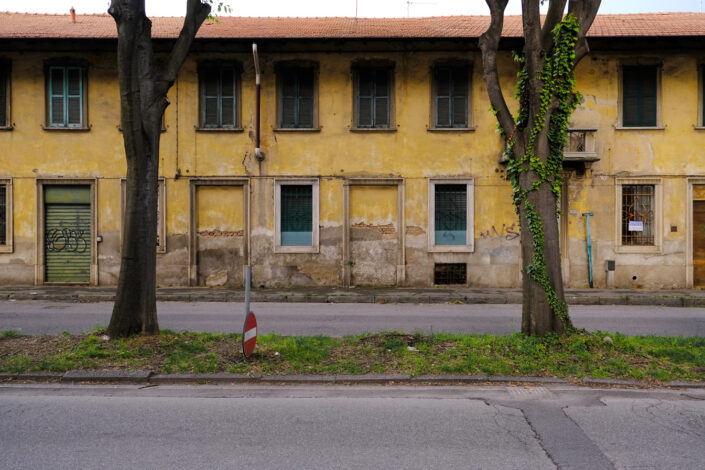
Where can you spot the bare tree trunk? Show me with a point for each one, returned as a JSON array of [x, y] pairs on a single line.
[[543, 309], [143, 88]]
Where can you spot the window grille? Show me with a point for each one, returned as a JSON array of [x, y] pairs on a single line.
[[296, 215], [639, 95], [450, 214], [218, 89], [3, 215], [297, 92], [576, 141], [450, 273], [638, 214], [451, 97], [65, 96], [373, 96]]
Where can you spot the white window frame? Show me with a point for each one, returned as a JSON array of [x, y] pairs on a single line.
[[658, 216], [7, 247], [314, 247], [469, 246]]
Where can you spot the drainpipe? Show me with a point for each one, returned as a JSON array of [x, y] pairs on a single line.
[[258, 152], [589, 244]]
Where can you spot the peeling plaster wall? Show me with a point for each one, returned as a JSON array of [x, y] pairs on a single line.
[[333, 154]]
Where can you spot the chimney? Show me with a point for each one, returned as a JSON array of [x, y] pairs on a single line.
[[73, 15]]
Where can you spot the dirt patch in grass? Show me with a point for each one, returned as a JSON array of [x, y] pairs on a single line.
[[647, 359]]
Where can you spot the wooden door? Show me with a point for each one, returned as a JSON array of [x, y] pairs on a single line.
[[699, 243]]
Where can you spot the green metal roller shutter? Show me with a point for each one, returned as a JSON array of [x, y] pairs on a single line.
[[67, 234]]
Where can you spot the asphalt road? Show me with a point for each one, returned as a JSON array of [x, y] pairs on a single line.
[[34, 317], [59, 426]]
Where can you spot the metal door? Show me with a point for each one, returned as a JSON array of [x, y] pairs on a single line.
[[67, 234]]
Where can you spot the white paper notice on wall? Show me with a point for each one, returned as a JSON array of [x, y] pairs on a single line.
[[636, 226]]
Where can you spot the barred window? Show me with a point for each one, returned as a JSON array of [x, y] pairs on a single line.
[[638, 214], [296, 215], [451, 214]]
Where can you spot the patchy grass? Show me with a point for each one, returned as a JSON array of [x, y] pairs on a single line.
[[648, 358]]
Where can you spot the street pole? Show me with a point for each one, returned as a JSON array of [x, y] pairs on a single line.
[[589, 245]]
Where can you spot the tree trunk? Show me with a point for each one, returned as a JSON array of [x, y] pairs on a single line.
[[533, 174], [143, 98]]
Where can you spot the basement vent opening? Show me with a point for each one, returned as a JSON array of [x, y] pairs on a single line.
[[450, 273]]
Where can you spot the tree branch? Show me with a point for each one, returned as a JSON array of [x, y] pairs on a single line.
[[196, 14], [585, 11], [489, 44], [553, 17]]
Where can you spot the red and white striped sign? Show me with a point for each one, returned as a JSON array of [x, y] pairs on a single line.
[[249, 335]]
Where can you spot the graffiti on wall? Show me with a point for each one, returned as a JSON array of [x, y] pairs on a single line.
[[507, 232]]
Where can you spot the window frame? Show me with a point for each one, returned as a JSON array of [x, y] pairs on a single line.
[[658, 66], [236, 67], [66, 65], [469, 246], [452, 65], [8, 246], [377, 66], [315, 188], [657, 183], [280, 69], [6, 73], [701, 96]]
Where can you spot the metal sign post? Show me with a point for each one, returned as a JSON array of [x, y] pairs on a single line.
[[589, 244]]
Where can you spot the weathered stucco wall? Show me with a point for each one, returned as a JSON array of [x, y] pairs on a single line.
[[334, 154]]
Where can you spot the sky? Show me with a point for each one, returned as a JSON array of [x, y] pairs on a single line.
[[365, 8]]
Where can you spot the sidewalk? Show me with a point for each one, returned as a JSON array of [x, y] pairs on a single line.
[[667, 298]]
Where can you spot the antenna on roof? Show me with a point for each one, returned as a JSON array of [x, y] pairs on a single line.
[[409, 3]]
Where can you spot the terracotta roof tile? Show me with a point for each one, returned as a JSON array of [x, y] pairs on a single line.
[[25, 25]]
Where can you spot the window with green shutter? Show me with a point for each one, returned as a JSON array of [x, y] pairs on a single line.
[[373, 97], [296, 223], [219, 96], [450, 214], [639, 95], [296, 101], [4, 95], [451, 97], [66, 95]]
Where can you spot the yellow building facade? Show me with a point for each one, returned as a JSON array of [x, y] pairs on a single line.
[[380, 162]]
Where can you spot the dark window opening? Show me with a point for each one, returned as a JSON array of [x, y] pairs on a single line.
[[218, 97], [450, 214], [450, 273], [451, 97], [296, 215], [3, 215], [373, 98], [297, 97], [639, 95], [638, 214]]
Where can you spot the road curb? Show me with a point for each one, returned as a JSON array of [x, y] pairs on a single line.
[[120, 376], [147, 376]]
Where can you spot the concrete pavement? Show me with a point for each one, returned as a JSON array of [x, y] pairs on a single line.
[[667, 298]]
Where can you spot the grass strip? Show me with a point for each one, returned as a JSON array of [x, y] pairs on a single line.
[[645, 358]]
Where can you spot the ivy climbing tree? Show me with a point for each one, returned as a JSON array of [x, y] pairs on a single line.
[[535, 138]]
